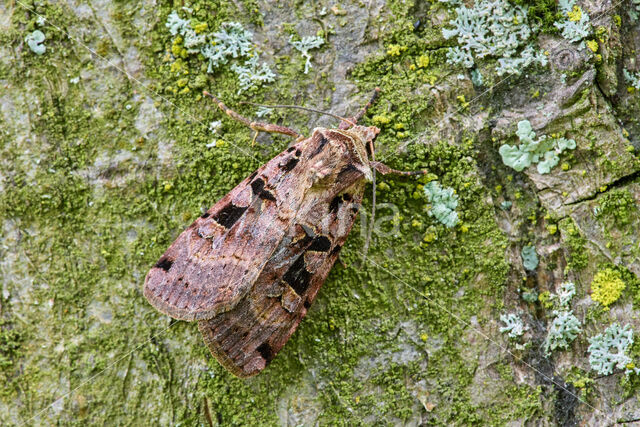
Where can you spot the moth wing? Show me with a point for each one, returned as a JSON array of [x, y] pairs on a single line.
[[246, 338], [214, 262]]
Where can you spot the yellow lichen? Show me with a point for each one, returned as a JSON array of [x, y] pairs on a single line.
[[607, 286], [593, 45], [200, 28], [379, 119], [395, 50], [423, 61], [575, 15]]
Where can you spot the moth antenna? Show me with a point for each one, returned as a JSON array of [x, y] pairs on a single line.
[[256, 126], [360, 114], [298, 107], [373, 207], [207, 413]]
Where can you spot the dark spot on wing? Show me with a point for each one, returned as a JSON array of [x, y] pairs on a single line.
[[290, 149], [253, 175], [291, 163], [320, 244], [229, 215], [306, 304], [307, 239], [321, 144], [347, 197], [298, 152], [205, 215], [164, 263], [257, 186], [267, 195], [335, 250], [266, 352], [297, 276], [335, 204]]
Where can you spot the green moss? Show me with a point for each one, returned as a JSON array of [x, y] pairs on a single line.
[[542, 13], [581, 381], [617, 205], [90, 227], [10, 351], [578, 257]]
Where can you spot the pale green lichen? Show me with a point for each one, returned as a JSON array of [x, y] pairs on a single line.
[[251, 74], [514, 325], [564, 328], [492, 29], [543, 151], [529, 257], [564, 295], [633, 79], [35, 41], [576, 23], [634, 12], [231, 41], [609, 351], [443, 203], [304, 45]]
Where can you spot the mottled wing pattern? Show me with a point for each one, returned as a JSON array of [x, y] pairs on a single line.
[[214, 262], [247, 337]]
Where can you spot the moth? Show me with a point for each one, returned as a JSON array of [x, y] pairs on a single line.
[[250, 267]]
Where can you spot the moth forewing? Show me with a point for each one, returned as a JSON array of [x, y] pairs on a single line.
[[250, 267]]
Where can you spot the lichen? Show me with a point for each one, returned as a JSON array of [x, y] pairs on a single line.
[[231, 41], [576, 24], [607, 287], [529, 257], [633, 79], [35, 41], [91, 217], [304, 45], [514, 326], [608, 351], [564, 328], [543, 151], [443, 203], [492, 29], [617, 204]]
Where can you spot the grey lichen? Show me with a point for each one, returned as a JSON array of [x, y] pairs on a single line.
[[609, 351], [576, 24], [492, 29], [304, 45]]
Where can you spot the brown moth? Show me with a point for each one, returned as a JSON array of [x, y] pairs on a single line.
[[251, 266]]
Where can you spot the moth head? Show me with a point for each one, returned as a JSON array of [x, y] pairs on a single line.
[[367, 135]]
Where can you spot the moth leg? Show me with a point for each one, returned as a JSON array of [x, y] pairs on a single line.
[[256, 126], [384, 170], [360, 114]]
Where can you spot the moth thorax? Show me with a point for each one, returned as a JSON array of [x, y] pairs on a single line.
[[365, 133]]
